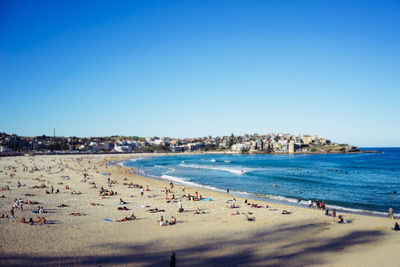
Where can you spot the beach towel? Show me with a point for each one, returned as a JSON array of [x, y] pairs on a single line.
[[206, 199], [108, 220]]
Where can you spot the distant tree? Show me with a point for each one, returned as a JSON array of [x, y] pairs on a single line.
[[230, 142]]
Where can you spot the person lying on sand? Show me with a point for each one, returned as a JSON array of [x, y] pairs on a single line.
[[107, 193], [30, 202], [95, 204], [122, 208], [62, 206], [155, 210], [41, 220], [76, 193], [2, 196], [130, 218], [250, 219], [198, 211], [77, 214], [121, 202], [31, 222], [285, 212], [235, 213], [341, 220], [21, 220]]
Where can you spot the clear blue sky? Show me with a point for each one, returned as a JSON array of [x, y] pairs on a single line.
[[196, 68]]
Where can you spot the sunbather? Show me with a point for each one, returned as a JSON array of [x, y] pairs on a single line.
[[250, 219], [130, 218]]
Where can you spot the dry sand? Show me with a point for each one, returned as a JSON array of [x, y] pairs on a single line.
[[303, 238]]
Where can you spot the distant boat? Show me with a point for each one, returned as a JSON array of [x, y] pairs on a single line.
[[227, 161], [213, 160]]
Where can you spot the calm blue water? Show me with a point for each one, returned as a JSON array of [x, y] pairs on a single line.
[[355, 181]]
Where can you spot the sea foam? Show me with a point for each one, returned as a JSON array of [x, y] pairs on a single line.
[[195, 166]]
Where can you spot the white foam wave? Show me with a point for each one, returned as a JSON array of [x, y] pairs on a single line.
[[235, 171], [135, 159], [181, 180]]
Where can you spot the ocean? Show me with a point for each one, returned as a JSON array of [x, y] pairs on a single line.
[[360, 182]]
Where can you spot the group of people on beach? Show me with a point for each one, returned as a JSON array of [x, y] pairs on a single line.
[[318, 204], [171, 197], [161, 222]]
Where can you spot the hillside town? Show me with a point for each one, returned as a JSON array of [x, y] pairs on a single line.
[[11, 144]]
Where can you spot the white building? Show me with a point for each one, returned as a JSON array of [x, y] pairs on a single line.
[[240, 147], [122, 148]]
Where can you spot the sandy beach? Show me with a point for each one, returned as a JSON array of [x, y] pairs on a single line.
[[303, 237]]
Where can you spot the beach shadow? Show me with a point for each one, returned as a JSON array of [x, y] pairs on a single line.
[[52, 222], [232, 250]]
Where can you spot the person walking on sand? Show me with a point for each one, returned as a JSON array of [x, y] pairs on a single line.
[[310, 204], [141, 191], [227, 191], [12, 218], [180, 208], [391, 213]]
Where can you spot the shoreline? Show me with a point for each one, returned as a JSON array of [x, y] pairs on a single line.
[[290, 202]]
